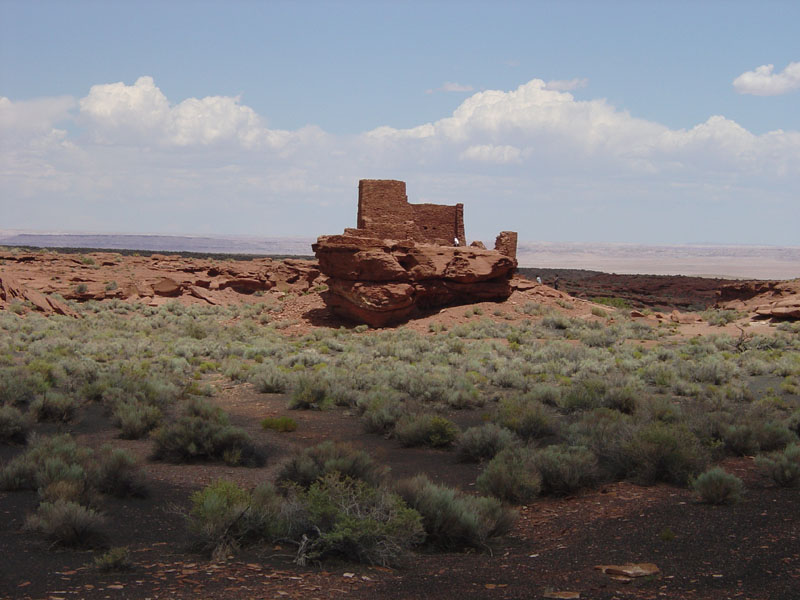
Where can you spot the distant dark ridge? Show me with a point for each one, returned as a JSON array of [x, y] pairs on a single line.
[[182, 253]]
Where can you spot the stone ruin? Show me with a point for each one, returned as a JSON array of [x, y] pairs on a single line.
[[402, 258]]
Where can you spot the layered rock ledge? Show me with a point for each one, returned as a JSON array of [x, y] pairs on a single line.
[[382, 282]]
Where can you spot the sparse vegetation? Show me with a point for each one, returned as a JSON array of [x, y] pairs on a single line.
[[716, 486]]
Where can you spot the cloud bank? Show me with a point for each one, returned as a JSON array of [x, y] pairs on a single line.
[[763, 81], [127, 158]]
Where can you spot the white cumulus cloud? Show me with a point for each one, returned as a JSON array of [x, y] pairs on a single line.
[[565, 85], [764, 81], [493, 154], [120, 113]]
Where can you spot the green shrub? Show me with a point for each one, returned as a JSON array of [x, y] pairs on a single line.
[[136, 419], [116, 473], [527, 417], [452, 519], [614, 302], [512, 476], [115, 560], [716, 486], [271, 379], [359, 522], [482, 443], [310, 392], [53, 407], [382, 410], [565, 469], [664, 452], [284, 424], [46, 460], [426, 430], [14, 426], [721, 317], [607, 433], [205, 433], [68, 524], [305, 467], [782, 467], [215, 519]]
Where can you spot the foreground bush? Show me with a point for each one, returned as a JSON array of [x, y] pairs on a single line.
[[116, 473], [115, 560], [565, 469], [483, 443], [68, 524], [782, 467], [53, 407], [204, 432], [305, 467], [527, 417], [512, 476], [336, 516], [359, 522], [136, 419], [426, 430], [664, 452], [14, 426], [452, 519], [716, 486]]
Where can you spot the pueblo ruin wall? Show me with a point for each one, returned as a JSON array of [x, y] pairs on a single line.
[[385, 213]]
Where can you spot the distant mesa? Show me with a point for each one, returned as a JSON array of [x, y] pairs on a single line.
[[404, 257]]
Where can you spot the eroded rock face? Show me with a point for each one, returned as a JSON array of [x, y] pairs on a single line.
[[381, 282], [767, 299]]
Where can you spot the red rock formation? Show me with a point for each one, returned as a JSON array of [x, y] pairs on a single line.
[[769, 299], [380, 282], [401, 259]]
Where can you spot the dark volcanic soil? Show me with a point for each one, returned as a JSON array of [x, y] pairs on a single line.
[[662, 292]]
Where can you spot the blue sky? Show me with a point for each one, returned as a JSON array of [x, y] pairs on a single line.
[[568, 121]]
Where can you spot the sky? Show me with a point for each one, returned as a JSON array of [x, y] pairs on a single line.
[[634, 122]]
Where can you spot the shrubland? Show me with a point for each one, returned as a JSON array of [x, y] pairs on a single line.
[[566, 403]]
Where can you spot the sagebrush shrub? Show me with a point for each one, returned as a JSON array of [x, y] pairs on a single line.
[[482, 443], [452, 519], [116, 473], [359, 522], [116, 559], [68, 524], [426, 430], [664, 452], [527, 417], [782, 467], [716, 486], [308, 465], [512, 476], [53, 406], [204, 432], [565, 469], [136, 419], [14, 426]]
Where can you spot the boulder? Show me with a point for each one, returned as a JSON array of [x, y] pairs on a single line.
[[381, 282]]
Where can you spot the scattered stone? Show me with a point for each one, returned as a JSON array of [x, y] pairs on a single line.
[[630, 570]]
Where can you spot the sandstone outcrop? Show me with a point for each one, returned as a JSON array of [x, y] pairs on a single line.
[[766, 299], [404, 257], [32, 278]]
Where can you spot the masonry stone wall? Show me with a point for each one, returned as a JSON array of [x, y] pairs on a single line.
[[506, 243], [384, 212]]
